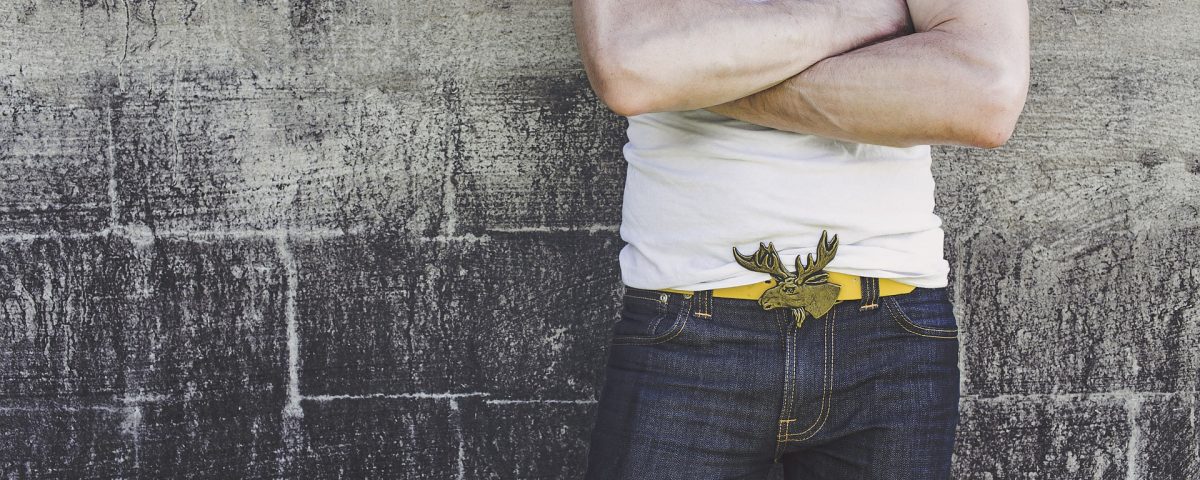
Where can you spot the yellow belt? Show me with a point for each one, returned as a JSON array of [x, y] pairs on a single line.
[[850, 288]]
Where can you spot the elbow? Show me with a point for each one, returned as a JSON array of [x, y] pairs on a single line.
[[995, 109], [605, 49], [624, 92], [617, 84], [991, 133], [622, 103]]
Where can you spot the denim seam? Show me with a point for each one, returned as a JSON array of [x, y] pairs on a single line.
[[896, 308], [706, 299], [826, 384], [788, 391], [661, 312], [779, 437], [870, 294], [875, 291], [908, 325], [656, 299], [664, 313], [680, 323]]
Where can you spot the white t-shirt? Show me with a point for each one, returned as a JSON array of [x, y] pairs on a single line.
[[699, 183]]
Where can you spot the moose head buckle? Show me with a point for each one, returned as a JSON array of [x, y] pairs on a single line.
[[806, 291]]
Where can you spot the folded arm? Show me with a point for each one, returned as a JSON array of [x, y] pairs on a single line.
[[961, 79], [667, 55]]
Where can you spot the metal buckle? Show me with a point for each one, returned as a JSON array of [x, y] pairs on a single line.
[[808, 291]]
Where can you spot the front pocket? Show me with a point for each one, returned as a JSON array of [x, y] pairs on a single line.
[[926, 312], [649, 320]]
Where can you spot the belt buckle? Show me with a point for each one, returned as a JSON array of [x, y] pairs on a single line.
[[808, 291]]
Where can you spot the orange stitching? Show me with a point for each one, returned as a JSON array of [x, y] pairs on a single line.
[[897, 308], [780, 435], [943, 337], [680, 323], [826, 383], [663, 312], [953, 332], [706, 313], [788, 392], [869, 300], [656, 299], [791, 365]]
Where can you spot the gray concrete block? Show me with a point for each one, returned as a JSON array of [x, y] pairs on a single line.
[[1166, 439], [62, 304], [524, 138], [537, 440], [378, 40], [374, 438], [56, 440], [54, 173], [1110, 311], [190, 155], [238, 436], [515, 315], [1042, 437], [97, 318]]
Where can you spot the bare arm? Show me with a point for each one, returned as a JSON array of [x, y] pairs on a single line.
[[961, 79], [667, 55]]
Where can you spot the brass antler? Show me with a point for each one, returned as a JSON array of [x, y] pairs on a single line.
[[765, 260], [825, 252], [808, 291]]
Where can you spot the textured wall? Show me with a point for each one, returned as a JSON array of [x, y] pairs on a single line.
[[328, 238]]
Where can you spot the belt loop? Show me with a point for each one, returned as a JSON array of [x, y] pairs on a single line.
[[702, 303], [870, 293]]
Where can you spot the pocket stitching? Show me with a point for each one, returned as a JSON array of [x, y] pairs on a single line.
[[658, 299], [660, 311], [908, 325], [680, 322]]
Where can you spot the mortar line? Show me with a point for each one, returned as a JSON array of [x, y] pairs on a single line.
[[1195, 436], [138, 233], [1112, 394], [386, 396], [292, 408], [1195, 402], [546, 229], [113, 210], [451, 94], [502, 401], [66, 408], [462, 471], [1133, 410]]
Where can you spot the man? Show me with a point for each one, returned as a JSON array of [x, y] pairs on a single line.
[[785, 281]]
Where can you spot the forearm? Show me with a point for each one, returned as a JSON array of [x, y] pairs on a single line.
[[941, 86], [686, 54]]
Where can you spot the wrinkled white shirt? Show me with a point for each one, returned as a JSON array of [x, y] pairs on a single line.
[[699, 183]]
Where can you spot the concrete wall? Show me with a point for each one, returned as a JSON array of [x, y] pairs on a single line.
[[339, 239]]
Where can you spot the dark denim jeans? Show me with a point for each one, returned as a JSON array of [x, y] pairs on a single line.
[[698, 387]]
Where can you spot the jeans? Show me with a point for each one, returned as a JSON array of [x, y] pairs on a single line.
[[698, 387]]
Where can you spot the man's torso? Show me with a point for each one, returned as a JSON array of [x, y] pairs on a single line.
[[699, 183]]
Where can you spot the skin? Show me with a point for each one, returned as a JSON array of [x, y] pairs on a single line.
[[961, 79], [930, 72], [670, 55]]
